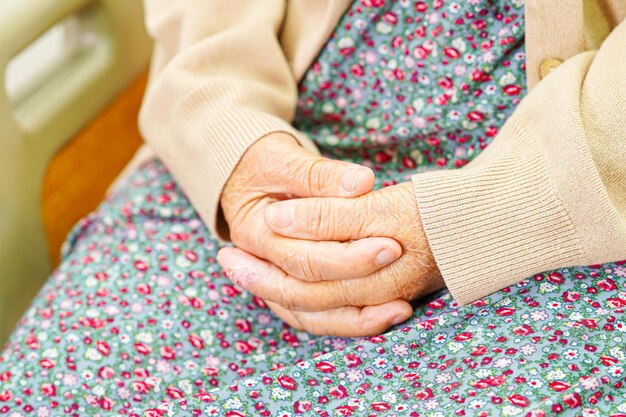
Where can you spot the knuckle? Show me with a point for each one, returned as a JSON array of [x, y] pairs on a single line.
[[315, 176], [345, 293], [307, 267], [287, 299]]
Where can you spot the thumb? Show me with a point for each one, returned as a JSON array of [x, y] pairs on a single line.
[[307, 175]]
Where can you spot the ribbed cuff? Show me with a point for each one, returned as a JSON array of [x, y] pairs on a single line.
[[496, 221]]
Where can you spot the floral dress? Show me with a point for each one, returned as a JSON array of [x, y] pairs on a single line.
[[139, 320]]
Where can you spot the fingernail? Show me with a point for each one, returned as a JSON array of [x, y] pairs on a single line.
[[350, 179], [398, 320], [384, 257], [281, 215]]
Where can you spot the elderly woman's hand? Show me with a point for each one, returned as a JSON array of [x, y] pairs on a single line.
[[336, 304], [276, 168]]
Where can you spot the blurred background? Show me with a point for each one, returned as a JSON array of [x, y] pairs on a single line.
[[73, 74]]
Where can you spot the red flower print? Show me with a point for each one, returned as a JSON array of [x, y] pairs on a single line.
[[372, 3], [352, 360], [559, 386], [378, 407], [47, 363], [141, 265], [243, 347], [106, 403], [301, 406], [325, 367], [452, 53], [167, 353], [49, 390], [357, 70], [196, 341], [103, 348], [421, 6], [511, 90], [608, 360], [142, 348], [106, 372], [572, 400], [519, 400], [243, 325], [154, 412], [607, 284], [424, 394], [475, 116], [616, 302], [464, 336], [5, 395], [571, 296], [287, 382], [338, 392], [345, 410], [175, 393]]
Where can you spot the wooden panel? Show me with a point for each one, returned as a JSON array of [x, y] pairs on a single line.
[[80, 173]]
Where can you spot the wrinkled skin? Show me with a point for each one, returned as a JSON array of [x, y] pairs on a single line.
[[328, 255]]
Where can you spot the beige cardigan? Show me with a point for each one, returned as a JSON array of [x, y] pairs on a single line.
[[549, 192]]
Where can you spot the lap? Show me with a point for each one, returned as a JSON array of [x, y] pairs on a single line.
[[139, 315]]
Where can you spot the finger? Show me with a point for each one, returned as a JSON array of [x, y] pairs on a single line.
[[321, 218], [347, 321], [270, 283], [316, 261], [285, 315], [306, 175]]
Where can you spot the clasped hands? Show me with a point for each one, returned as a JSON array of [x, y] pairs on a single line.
[[326, 253]]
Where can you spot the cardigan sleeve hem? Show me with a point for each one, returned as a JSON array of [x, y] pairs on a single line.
[[493, 224]]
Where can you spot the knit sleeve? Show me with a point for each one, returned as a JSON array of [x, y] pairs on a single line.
[[219, 81], [549, 192]]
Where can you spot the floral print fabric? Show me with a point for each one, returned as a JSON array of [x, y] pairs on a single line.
[[138, 320]]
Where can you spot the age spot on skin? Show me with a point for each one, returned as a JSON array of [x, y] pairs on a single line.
[[241, 274]]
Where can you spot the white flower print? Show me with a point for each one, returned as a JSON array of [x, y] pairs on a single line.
[[555, 374], [535, 383], [440, 338], [589, 382], [43, 411], [384, 28], [509, 410], [280, 393], [502, 362], [476, 404], [528, 349], [544, 287], [70, 380], [144, 337], [400, 349], [354, 375], [570, 354], [443, 377], [233, 403], [539, 315], [506, 79], [618, 352], [389, 397], [93, 355], [616, 371], [454, 347], [431, 404], [380, 363]]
